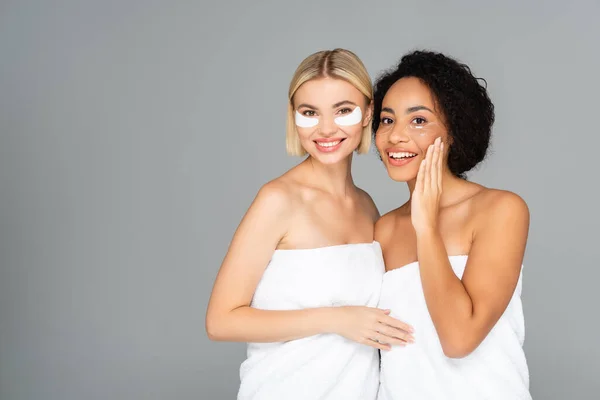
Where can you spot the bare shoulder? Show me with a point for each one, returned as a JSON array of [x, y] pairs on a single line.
[[496, 204], [369, 204], [275, 197]]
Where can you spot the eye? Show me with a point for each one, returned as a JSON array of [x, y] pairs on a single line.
[[419, 120], [309, 113], [386, 121], [345, 110]]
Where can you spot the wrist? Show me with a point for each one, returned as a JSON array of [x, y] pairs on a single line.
[[325, 318]]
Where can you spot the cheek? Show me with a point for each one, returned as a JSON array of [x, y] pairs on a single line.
[[354, 131], [427, 135], [423, 142], [379, 142], [305, 133]]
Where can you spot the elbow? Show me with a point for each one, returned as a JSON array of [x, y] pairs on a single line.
[[214, 330], [211, 331], [459, 347], [212, 334], [223, 326], [456, 352]]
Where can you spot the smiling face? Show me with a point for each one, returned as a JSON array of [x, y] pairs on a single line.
[[409, 124], [330, 116]]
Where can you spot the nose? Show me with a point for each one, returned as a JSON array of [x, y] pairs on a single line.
[[398, 135], [328, 126]]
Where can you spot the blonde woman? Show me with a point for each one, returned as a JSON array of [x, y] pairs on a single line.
[[302, 276]]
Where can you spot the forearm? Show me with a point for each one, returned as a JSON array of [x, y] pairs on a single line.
[[448, 302], [247, 324]]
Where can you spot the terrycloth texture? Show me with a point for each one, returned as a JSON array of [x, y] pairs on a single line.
[[497, 369], [326, 366]]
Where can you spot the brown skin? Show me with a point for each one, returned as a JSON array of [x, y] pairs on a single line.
[[446, 215]]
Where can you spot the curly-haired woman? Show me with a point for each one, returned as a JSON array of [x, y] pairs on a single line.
[[454, 250]]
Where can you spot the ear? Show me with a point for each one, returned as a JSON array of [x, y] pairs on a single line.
[[368, 114]]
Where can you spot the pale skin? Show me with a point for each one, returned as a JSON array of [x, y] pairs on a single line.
[[444, 216], [315, 204]]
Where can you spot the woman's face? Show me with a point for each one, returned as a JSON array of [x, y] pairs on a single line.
[[409, 124], [330, 116]]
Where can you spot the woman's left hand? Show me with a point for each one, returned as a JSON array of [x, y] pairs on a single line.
[[425, 201]]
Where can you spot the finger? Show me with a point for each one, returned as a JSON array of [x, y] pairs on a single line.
[[393, 322], [388, 340], [427, 177], [440, 166], [377, 345], [435, 165], [420, 177], [395, 333]]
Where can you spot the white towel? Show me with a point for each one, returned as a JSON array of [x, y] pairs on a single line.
[[496, 370], [326, 366]]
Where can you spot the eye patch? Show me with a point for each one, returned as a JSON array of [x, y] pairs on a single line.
[[347, 120], [350, 119], [305, 122]]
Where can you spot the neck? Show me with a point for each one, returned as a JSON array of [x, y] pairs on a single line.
[[335, 179], [450, 184]]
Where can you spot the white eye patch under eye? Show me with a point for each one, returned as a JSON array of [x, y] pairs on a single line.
[[350, 119], [305, 122], [424, 130]]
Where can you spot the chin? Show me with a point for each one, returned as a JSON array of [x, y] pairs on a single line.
[[400, 175], [330, 159]]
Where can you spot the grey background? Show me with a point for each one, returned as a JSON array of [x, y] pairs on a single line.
[[134, 135]]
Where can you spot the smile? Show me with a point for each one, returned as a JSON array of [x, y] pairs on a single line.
[[329, 145]]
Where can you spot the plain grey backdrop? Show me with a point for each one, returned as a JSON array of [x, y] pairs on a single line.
[[134, 135]]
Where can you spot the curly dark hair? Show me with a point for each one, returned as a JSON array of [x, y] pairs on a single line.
[[466, 108]]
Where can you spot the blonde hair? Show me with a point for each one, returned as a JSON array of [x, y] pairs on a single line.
[[339, 64]]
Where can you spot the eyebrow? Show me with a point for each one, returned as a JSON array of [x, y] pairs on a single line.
[[306, 106], [336, 105], [343, 102], [418, 108]]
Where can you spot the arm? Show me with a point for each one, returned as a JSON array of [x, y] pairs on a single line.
[[229, 316], [464, 312]]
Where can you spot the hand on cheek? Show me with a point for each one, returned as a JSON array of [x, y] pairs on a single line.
[[428, 189]]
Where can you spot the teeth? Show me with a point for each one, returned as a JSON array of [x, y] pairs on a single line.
[[328, 144], [402, 154]]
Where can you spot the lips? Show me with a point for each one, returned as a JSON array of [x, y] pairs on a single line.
[[400, 157], [329, 145]]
